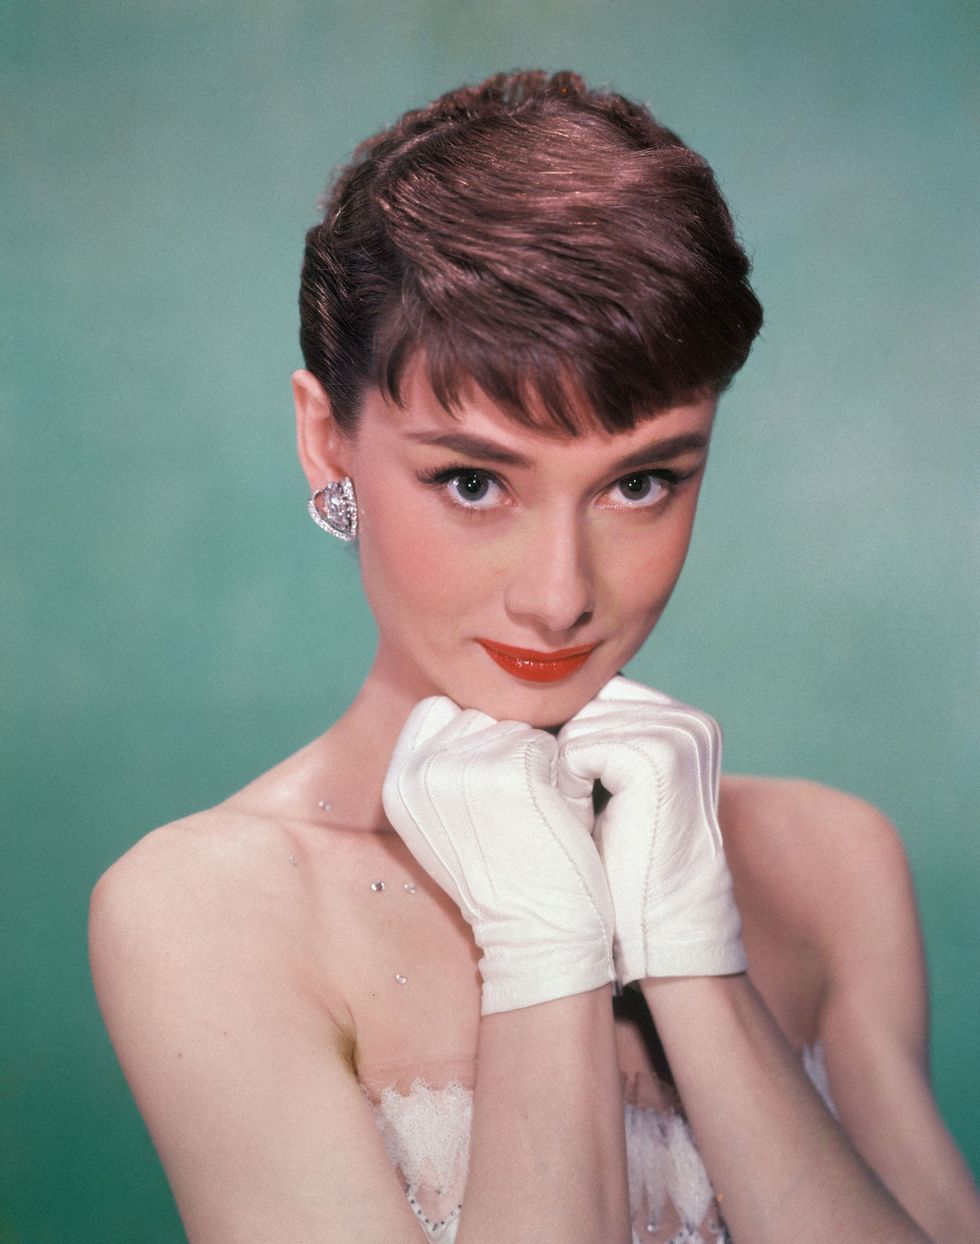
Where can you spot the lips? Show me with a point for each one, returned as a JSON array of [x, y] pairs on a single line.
[[531, 666]]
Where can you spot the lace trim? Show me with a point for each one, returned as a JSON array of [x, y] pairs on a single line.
[[426, 1133]]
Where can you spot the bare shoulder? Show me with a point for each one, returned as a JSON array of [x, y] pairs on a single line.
[[226, 864], [825, 869], [827, 854], [213, 956], [208, 840], [815, 824], [217, 899], [204, 866]]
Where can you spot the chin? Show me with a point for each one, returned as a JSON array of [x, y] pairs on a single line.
[[544, 706]]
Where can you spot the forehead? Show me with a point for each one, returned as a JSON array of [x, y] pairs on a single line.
[[420, 418]]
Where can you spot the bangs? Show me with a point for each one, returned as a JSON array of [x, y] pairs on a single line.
[[534, 387], [541, 393]]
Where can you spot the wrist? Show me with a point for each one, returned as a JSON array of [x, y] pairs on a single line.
[[684, 1000]]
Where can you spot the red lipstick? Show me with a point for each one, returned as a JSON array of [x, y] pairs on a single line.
[[534, 666]]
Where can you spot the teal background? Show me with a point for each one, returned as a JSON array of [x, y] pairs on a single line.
[[173, 623]]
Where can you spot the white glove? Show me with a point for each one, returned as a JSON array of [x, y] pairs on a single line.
[[477, 803], [658, 836]]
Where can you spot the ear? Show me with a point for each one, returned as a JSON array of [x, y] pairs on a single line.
[[323, 449]]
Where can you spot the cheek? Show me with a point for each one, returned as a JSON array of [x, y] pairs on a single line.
[[414, 571], [643, 574]]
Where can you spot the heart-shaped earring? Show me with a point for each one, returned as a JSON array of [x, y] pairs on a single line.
[[334, 508]]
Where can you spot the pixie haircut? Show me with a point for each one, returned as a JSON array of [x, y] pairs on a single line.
[[551, 243]]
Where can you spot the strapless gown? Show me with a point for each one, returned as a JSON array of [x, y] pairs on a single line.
[[426, 1132]]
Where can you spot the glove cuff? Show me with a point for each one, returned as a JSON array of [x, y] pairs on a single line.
[[509, 987], [635, 962]]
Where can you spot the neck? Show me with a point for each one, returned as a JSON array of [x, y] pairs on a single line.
[[360, 744]]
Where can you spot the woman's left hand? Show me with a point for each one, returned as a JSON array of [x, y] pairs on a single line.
[[658, 836], [482, 806]]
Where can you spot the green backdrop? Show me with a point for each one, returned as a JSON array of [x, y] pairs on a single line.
[[173, 622]]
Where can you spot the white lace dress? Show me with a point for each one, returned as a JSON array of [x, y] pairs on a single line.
[[426, 1132]]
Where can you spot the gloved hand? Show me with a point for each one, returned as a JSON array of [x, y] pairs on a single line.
[[658, 835], [478, 805]]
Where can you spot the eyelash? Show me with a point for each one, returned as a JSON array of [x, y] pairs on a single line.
[[441, 478]]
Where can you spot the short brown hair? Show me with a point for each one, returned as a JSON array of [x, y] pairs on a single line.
[[553, 243]]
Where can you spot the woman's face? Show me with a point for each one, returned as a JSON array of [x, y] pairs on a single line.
[[479, 537]]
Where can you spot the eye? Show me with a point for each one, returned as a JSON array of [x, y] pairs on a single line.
[[641, 488], [469, 488]]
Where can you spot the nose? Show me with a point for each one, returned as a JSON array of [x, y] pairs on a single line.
[[552, 588]]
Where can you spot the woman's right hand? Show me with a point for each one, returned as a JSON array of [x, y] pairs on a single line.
[[478, 804]]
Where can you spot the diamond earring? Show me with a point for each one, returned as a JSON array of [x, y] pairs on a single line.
[[334, 508]]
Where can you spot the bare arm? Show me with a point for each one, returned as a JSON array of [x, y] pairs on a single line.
[[780, 1165], [874, 1029], [548, 1159], [809, 852], [241, 1076], [243, 1073]]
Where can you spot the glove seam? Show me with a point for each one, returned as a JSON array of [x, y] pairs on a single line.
[[607, 932]]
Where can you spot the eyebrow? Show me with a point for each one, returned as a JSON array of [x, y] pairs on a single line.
[[490, 451], [471, 447], [661, 451]]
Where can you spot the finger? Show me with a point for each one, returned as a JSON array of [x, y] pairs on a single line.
[[575, 791], [618, 691], [573, 781], [592, 758], [540, 751], [426, 720], [705, 737], [470, 720], [621, 689], [474, 735]]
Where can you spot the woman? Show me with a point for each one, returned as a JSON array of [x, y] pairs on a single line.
[[388, 965]]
